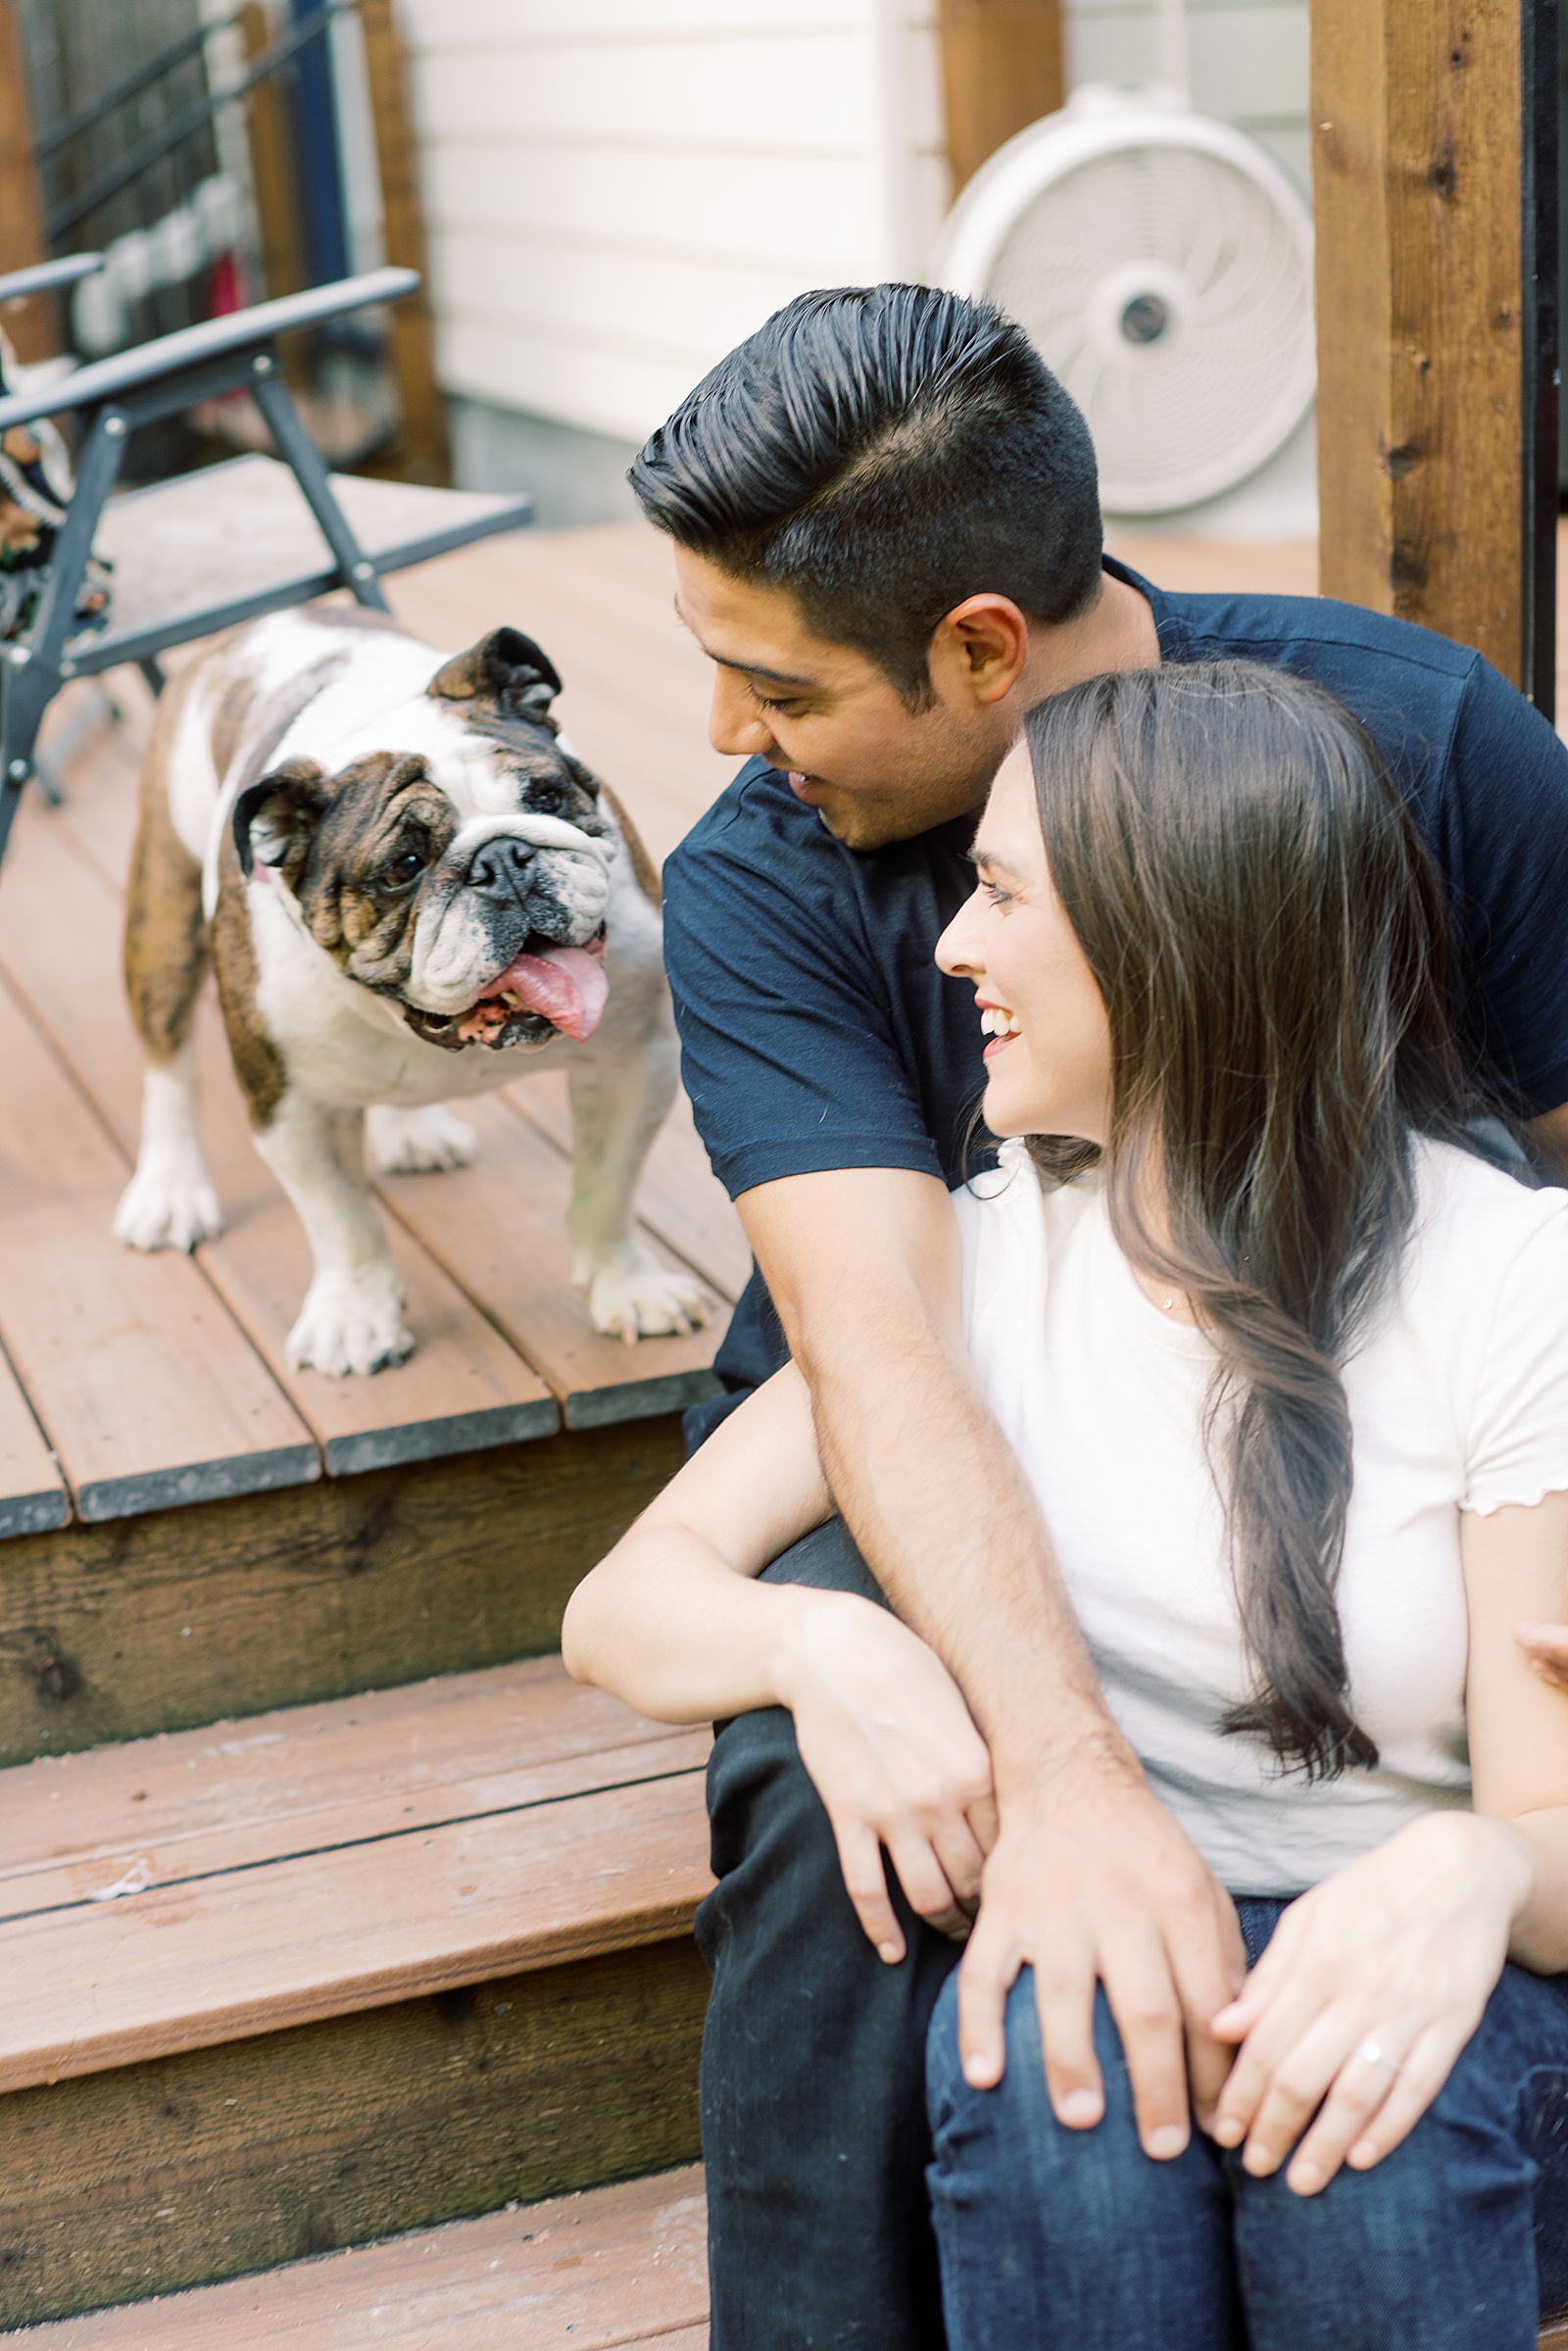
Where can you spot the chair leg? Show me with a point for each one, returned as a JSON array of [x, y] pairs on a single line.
[[152, 670]]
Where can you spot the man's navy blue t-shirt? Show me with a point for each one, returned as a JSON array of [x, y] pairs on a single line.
[[817, 1032]]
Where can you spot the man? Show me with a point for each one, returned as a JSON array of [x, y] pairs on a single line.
[[887, 537]]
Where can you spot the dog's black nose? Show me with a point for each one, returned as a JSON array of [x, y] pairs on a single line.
[[500, 869]]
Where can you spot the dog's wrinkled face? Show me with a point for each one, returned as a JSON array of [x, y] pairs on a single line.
[[466, 880]]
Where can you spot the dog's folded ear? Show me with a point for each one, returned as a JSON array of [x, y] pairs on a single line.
[[276, 819], [506, 671]]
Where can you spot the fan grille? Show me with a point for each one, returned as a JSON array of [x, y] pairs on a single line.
[[1171, 293]]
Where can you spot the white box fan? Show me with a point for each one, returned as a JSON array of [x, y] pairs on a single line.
[[1162, 262]]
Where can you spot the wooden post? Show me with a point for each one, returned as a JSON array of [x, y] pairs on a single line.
[[29, 325], [1437, 317], [1001, 70], [272, 171], [420, 452]]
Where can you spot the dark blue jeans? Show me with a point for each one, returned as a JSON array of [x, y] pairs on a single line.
[[813, 2057], [1456, 2241]]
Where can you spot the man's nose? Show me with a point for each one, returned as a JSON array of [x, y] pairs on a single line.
[[734, 726], [502, 869]]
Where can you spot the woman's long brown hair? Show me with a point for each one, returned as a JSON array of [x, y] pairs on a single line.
[[1270, 940]]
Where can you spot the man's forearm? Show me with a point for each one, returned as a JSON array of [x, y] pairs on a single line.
[[946, 1520]]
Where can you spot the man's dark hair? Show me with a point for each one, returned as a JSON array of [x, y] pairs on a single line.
[[884, 451]]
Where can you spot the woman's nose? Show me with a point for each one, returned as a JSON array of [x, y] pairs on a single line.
[[957, 952], [733, 724]]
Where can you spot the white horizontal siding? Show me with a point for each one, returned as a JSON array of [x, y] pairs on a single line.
[[618, 192]]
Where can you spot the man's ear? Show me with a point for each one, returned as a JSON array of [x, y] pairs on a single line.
[[276, 819], [506, 669]]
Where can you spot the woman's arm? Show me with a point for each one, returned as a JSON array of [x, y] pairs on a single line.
[[674, 1622], [1377, 1978]]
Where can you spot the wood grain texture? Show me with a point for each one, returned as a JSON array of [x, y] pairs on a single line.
[[144, 1386], [1416, 177], [180, 1944], [240, 1794], [32, 1492], [29, 325], [117, 2186], [1002, 69], [679, 1199], [419, 452], [187, 1616], [462, 1388], [616, 2267], [499, 1229]]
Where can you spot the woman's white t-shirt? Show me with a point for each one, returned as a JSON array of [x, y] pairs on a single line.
[[1458, 1397]]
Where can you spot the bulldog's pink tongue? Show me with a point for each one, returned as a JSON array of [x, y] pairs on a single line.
[[566, 984]]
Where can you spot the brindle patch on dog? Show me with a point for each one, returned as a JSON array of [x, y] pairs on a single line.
[[644, 872], [352, 848], [165, 942], [258, 1063]]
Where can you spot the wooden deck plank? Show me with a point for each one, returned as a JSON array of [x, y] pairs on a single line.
[[32, 1492], [612, 2270], [679, 1198], [279, 1599], [464, 1388], [242, 1796], [146, 1390], [499, 1227], [252, 1951]]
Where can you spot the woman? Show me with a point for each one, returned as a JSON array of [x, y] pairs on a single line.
[[1287, 1369]]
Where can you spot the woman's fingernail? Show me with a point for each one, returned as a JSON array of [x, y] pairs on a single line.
[[1168, 2141], [1363, 2153], [891, 1953], [1079, 2107], [1227, 2132], [1259, 2162], [980, 2073], [1305, 2178]]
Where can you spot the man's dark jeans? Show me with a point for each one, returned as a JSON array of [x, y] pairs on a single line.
[[813, 2057]]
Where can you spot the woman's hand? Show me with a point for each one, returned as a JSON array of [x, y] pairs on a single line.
[[1369, 1989], [1547, 1647], [896, 1758]]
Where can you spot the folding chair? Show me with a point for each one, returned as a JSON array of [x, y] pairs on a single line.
[[224, 545]]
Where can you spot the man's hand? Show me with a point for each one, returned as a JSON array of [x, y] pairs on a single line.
[[1091, 1880], [895, 1757], [1089, 1876]]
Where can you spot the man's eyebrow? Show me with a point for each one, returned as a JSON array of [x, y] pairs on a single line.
[[776, 677]]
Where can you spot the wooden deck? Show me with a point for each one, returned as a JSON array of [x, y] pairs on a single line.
[[159, 1462]]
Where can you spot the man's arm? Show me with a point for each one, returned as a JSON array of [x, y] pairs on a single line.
[[1089, 1876]]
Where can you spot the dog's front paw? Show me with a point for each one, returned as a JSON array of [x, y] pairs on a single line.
[[169, 1203], [631, 1296], [418, 1142], [350, 1322]]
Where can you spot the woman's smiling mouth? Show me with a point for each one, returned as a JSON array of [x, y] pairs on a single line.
[[1001, 1026]]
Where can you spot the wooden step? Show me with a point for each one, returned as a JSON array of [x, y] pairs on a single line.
[[309, 1978], [613, 2270]]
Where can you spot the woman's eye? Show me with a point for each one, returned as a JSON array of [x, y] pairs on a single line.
[[997, 895], [402, 870]]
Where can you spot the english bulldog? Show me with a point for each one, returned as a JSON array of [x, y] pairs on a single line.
[[412, 890]]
